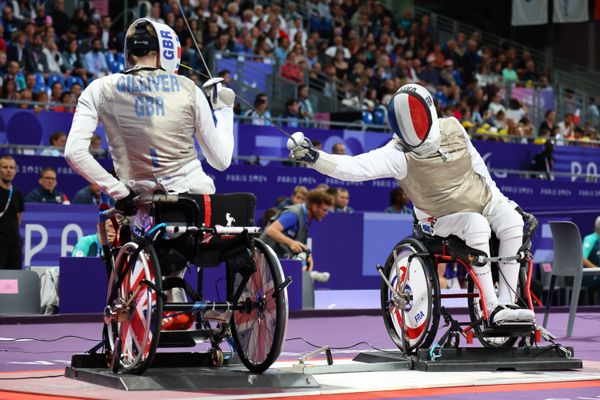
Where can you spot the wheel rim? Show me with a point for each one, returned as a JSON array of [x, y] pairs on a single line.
[[255, 327], [412, 322], [135, 332]]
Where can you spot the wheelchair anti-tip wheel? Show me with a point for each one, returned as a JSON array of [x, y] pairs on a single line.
[[259, 330], [414, 325], [475, 311], [133, 315]]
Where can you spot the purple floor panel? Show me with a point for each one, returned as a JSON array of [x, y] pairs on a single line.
[[346, 335]]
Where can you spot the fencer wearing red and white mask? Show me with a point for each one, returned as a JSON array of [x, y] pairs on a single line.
[[448, 182]]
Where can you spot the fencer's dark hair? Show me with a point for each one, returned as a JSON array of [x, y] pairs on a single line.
[[143, 40]]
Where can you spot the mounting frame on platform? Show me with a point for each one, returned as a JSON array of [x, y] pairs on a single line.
[[548, 358], [185, 371]]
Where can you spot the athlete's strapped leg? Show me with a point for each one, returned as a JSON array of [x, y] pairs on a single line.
[[475, 230], [507, 224]]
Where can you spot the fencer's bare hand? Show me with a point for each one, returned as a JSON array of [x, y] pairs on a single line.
[[297, 247]]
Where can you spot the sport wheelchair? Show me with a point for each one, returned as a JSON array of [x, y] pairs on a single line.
[[411, 296], [193, 230]]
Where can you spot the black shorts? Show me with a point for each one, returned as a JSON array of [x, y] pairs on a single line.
[[10, 258]]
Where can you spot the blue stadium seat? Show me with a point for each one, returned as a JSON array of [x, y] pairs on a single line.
[[70, 81], [40, 84], [379, 116], [56, 78], [111, 61], [367, 117]]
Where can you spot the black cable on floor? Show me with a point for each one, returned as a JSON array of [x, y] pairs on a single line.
[[340, 348], [31, 377], [49, 340]]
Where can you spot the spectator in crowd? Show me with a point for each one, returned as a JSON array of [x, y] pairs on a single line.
[[291, 70], [398, 202], [91, 245], [516, 111], [306, 106], [107, 36], [96, 146], [591, 259], [591, 247], [11, 23], [261, 104], [543, 162], [53, 56], [11, 210], [35, 60], [593, 113], [288, 234], [338, 148], [268, 215], [342, 199], [509, 75], [58, 140], [549, 121], [566, 127], [89, 194], [46, 192], [299, 195], [291, 116], [60, 20], [16, 51], [72, 57], [95, 60]]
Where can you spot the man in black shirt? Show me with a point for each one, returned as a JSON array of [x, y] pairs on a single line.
[[11, 208]]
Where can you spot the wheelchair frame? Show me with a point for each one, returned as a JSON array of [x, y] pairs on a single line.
[[411, 314], [252, 320]]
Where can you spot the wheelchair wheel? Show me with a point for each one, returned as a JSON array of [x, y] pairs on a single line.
[[133, 315], [259, 331], [475, 312], [415, 326]]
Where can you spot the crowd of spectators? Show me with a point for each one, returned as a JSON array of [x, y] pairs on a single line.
[[355, 50]]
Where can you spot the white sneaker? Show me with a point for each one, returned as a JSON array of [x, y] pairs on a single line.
[[523, 314], [318, 276], [500, 314]]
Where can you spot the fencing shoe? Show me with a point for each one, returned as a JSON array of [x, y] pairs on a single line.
[[523, 314], [173, 321], [318, 276], [500, 314]]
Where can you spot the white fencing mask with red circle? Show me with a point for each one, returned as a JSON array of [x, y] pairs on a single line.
[[413, 118]]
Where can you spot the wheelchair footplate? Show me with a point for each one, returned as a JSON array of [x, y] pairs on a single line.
[[447, 355]]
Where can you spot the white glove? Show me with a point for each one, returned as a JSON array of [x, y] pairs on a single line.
[[302, 149], [218, 95]]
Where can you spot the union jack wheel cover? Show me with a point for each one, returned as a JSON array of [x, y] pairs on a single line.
[[135, 333], [417, 313], [256, 329]]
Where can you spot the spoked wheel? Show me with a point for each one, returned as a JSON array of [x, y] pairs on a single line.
[[133, 314], [415, 325], [258, 330], [475, 310]]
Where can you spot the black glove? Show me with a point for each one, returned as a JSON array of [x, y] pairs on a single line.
[[126, 205]]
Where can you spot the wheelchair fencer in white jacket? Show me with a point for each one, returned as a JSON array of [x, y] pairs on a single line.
[[447, 181], [151, 116]]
